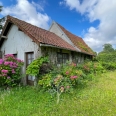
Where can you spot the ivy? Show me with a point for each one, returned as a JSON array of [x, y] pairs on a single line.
[[34, 68]]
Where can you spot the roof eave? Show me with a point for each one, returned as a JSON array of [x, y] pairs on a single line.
[[53, 46]]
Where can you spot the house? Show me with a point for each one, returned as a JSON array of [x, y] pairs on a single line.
[[28, 42], [83, 50]]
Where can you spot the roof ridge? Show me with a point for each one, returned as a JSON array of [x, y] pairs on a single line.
[[8, 16]]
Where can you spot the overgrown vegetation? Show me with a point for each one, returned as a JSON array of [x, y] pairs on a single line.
[[82, 89], [91, 98], [34, 68], [68, 76], [107, 57]]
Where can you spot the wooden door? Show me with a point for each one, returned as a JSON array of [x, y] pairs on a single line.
[[29, 59]]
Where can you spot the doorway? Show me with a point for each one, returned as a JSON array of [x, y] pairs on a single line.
[[29, 58]]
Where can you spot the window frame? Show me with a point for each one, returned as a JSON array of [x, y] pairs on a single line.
[[63, 58]]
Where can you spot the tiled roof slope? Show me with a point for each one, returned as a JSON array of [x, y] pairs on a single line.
[[78, 42], [40, 35]]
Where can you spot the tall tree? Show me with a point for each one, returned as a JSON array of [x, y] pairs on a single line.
[[108, 48]]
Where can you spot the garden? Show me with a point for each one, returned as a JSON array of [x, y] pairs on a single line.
[[70, 90]]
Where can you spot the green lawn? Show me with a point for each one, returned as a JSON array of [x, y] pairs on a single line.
[[96, 98]]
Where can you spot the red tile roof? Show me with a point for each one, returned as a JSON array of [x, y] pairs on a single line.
[[77, 41], [40, 35]]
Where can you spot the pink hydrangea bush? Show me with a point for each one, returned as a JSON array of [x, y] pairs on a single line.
[[10, 70], [62, 79], [73, 73]]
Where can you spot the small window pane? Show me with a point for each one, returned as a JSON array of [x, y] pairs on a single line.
[[32, 56], [29, 56], [62, 58], [59, 61], [66, 56], [59, 55], [33, 78], [29, 61]]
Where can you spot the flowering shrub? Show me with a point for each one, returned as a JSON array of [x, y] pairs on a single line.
[[55, 84], [65, 78], [92, 67], [10, 70], [61, 80], [67, 75], [70, 75], [72, 72]]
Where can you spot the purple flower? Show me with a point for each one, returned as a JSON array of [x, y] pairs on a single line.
[[14, 66], [8, 77], [1, 61], [14, 63], [13, 71], [11, 63], [11, 66], [9, 55], [4, 71], [6, 63]]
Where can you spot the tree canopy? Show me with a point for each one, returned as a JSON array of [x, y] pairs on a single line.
[[108, 48], [108, 54]]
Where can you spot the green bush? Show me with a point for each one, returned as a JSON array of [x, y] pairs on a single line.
[[65, 78], [67, 75], [109, 65], [91, 67], [34, 68], [60, 80], [70, 74], [108, 60], [107, 57]]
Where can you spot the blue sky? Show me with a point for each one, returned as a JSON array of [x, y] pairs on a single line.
[[93, 20]]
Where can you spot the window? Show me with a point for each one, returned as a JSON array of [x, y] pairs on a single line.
[[15, 55], [62, 58], [75, 57]]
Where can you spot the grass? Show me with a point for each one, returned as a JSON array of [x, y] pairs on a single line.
[[96, 98]]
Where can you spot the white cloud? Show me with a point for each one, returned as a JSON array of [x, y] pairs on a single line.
[[102, 10], [86, 5], [30, 12]]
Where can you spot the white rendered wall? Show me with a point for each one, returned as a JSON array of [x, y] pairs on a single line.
[[56, 29], [19, 43]]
